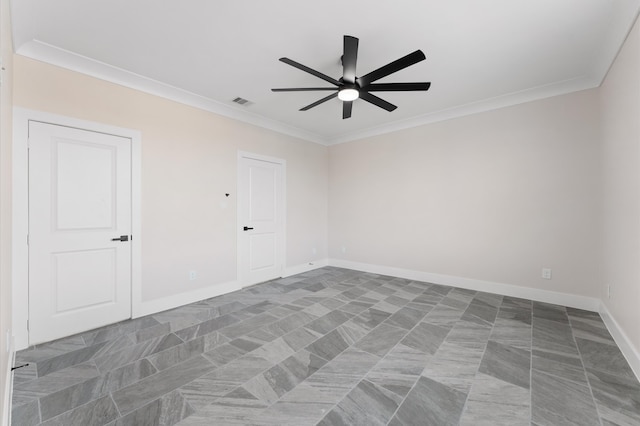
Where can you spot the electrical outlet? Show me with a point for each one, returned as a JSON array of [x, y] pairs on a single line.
[[193, 275], [546, 273], [344, 250], [608, 291], [314, 251]]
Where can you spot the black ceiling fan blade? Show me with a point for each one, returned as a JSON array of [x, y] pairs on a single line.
[[302, 89], [390, 68], [310, 71], [316, 103], [349, 59], [397, 87], [373, 99], [347, 106]]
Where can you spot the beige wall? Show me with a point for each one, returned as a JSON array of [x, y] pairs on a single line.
[[620, 104], [495, 196], [5, 196], [189, 159]]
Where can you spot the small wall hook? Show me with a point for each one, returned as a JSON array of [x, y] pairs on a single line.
[[226, 195]]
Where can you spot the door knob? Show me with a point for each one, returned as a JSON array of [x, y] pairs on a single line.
[[246, 228], [122, 238]]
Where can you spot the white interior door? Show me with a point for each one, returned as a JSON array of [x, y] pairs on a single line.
[[79, 202], [261, 212]]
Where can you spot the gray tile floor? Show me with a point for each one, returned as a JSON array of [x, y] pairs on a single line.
[[335, 347]]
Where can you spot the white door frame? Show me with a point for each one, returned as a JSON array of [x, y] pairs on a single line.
[[283, 209], [20, 211]]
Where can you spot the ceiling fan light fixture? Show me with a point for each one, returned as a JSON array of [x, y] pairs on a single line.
[[348, 94]]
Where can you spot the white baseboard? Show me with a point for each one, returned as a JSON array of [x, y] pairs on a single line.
[[564, 299], [571, 300], [158, 305], [170, 302], [305, 267], [622, 340], [8, 388]]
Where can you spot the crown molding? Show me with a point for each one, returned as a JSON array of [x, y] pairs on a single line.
[[44, 52], [510, 99], [624, 15]]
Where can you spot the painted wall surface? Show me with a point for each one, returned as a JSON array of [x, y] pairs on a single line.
[[620, 116], [6, 53], [189, 162], [495, 196]]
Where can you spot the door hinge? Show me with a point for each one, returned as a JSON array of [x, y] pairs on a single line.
[[27, 239], [27, 325]]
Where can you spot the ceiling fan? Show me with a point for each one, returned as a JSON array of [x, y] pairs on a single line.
[[349, 87]]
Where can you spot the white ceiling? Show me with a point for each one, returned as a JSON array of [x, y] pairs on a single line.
[[480, 54]]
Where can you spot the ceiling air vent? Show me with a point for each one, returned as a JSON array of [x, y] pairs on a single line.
[[242, 101]]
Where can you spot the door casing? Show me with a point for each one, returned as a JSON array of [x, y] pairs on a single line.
[[242, 280], [20, 211]]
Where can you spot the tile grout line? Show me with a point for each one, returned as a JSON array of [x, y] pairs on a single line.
[[486, 344], [166, 393], [160, 337], [420, 375], [158, 371], [340, 353], [531, 367], [79, 406], [263, 371], [39, 410], [584, 370], [117, 408], [329, 410]]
